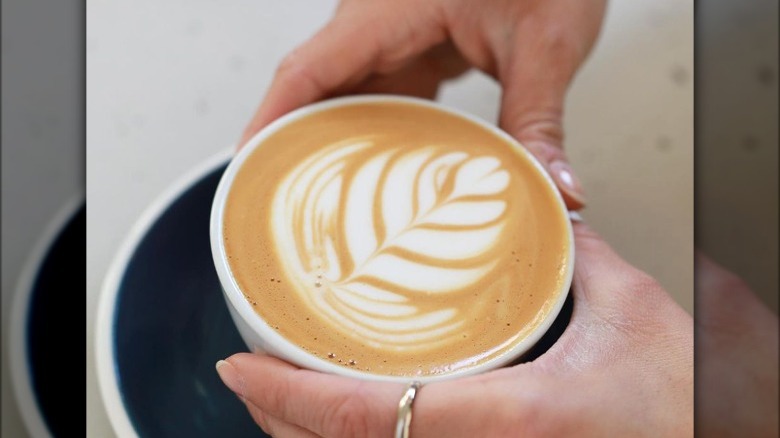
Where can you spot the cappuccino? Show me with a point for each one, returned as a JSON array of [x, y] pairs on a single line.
[[396, 239]]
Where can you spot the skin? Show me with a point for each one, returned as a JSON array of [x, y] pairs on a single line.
[[624, 365], [616, 371], [533, 48]]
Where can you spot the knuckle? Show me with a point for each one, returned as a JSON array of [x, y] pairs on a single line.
[[640, 297], [348, 417], [643, 284], [291, 63], [554, 37], [642, 309], [542, 124], [294, 67], [561, 39], [260, 418]]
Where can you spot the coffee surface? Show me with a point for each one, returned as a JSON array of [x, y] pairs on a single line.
[[395, 239]]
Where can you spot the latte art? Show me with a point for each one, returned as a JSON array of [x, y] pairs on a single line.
[[396, 239], [377, 238]]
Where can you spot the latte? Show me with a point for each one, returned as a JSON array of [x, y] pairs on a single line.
[[396, 239]]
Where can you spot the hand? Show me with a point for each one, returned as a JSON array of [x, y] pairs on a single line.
[[532, 47], [623, 367]]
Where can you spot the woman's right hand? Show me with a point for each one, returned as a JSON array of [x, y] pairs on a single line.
[[532, 47]]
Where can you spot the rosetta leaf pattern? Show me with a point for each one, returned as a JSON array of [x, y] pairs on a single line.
[[379, 236]]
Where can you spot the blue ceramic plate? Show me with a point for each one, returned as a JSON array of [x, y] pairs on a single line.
[[163, 323], [45, 287]]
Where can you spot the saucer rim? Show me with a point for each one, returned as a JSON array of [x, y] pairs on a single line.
[[21, 379], [105, 363]]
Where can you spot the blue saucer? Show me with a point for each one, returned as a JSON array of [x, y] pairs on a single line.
[[170, 325]]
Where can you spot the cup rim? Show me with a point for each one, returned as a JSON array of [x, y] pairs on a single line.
[[298, 355], [18, 354]]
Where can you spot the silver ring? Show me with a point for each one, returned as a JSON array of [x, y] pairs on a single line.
[[405, 410]]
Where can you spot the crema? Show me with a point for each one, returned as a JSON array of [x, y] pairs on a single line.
[[395, 239]]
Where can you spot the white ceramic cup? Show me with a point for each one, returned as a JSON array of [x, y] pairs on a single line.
[[260, 337]]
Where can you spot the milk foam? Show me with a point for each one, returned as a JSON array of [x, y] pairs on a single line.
[[368, 233]]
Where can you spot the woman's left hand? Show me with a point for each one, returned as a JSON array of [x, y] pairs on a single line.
[[623, 367]]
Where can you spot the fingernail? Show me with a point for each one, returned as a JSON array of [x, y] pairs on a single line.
[[227, 372], [575, 217], [567, 181]]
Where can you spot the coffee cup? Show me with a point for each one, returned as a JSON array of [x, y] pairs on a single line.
[[390, 238]]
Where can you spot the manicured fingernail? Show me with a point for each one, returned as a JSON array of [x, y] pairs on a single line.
[[567, 181], [230, 377]]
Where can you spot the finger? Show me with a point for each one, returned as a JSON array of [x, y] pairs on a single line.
[[359, 41], [535, 72], [454, 408], [421, 77], [277, 428], [281, 395], [330, 406], [532, 111]]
